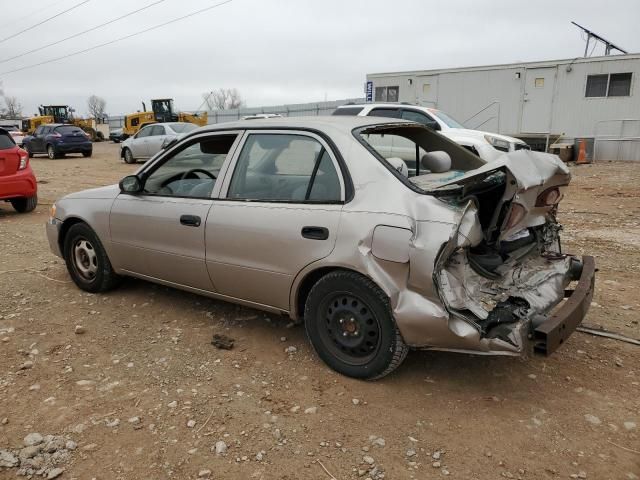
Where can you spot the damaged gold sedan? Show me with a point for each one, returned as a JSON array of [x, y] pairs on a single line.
[[379, 235]]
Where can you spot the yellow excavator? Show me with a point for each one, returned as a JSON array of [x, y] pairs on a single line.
[[162, 110], [60, 114]]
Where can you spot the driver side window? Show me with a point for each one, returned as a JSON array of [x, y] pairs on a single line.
[[192, 170]]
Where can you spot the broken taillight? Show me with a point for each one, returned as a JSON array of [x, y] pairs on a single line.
[[551, 196], [516, 214]]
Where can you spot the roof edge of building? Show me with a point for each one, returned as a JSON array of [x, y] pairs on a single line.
[[537, 63]]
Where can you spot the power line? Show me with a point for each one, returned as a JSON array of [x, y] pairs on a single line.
[[37, 10], [43, 21], [81, 33], [73, 54]]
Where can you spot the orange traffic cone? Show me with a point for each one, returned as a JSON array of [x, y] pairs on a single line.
[[582, 153]]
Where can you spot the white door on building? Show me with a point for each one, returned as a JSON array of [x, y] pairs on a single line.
[[537, 100], [427, 90]]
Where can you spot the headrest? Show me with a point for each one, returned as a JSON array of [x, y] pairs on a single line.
[[436, 162], [399, 165]]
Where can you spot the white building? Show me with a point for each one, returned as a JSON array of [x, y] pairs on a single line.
[[596, 98]]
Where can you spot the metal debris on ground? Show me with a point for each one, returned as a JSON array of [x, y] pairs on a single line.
[[222, 341]]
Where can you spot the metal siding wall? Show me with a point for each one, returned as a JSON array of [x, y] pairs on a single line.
[[575, 115], [462, 93]]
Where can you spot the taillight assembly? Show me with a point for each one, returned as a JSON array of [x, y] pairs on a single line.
[[516, 214], [24, 160], [551, 196]]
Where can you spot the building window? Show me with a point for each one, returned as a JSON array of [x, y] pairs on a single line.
[[608, 85], [619, 85], [539, 82], [387, 94]]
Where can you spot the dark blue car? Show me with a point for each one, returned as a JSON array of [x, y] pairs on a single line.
[[56, 140]]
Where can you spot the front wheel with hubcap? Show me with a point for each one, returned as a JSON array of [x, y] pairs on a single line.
[[87, 261], [349, 323], [128, 156]]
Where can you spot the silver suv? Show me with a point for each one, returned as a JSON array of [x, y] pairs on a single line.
[[304, 217]]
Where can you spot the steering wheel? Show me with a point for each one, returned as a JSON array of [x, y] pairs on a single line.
[[199, 170]]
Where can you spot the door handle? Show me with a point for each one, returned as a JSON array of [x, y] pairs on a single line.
[[315, 233], [190, 220]]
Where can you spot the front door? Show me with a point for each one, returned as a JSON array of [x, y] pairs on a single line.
[[139, 147], [281, 213], [537, 100], [37, 142], [160, 233]]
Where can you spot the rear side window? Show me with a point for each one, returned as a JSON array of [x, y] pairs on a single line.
[[288, 168], [67, 130], [183, 127], [6, 141], [349, 111], [156, 130], [385, 112]]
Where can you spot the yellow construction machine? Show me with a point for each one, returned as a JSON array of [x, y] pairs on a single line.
[[162, 110], [60, 114]]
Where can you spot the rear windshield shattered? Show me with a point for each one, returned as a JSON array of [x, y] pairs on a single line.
[[418, 156]]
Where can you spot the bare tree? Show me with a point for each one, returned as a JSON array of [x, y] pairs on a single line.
[[223, 99], [96, 107], [13, 108]]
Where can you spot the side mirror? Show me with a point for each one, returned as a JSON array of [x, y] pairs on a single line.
[[434, 125], [131, 184]]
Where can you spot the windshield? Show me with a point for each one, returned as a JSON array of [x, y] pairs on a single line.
[[182, 127], [68, 130], [448, 121]]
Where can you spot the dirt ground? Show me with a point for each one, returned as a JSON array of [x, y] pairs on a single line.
[[146, 396]]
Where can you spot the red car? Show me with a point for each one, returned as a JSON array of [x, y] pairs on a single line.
[[17, 181]]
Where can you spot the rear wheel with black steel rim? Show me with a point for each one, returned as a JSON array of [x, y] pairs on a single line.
[[349, 323], [87, 261]]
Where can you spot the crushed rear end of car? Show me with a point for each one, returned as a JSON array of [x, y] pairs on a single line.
[[502, 275]]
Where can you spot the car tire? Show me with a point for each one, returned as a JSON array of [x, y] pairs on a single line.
[[87, 260], [128, 156], [87, 154], [27, 149], [24, 205], [51, 152], [349, 323]]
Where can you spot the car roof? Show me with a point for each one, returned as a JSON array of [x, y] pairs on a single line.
[[329, 122]]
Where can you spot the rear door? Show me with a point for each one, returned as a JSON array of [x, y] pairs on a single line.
[[9, 158], [280, 209]]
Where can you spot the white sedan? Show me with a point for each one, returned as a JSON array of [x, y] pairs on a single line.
[[151, 139]]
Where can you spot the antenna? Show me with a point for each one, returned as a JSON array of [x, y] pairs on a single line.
[[608, 46]]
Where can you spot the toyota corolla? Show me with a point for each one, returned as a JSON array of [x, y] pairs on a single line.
[[375, 255]]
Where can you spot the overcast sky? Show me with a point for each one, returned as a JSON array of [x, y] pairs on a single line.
[[282, 51]]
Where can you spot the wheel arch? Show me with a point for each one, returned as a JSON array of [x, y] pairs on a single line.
[[306, 280], [64, 229]]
